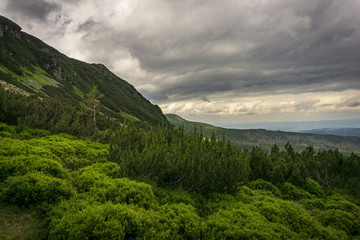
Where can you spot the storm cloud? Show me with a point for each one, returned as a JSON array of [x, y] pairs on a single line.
[[216, 58], [38, 9]]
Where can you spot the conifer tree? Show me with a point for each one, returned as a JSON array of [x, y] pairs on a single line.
[[92, 100]]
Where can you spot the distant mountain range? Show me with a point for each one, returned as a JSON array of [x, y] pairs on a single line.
[[350, 132], [266, 139], [29, 66], [299, 126]]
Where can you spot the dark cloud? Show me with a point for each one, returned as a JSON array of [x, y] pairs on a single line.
[[87, 25], [174, 51], [283, 45], [38, 9], [354, 104]]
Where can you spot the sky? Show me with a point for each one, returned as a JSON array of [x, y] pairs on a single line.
[[215, 61]]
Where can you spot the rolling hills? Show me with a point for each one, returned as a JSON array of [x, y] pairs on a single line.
[[336, 131], [266, 139], [29, 66]]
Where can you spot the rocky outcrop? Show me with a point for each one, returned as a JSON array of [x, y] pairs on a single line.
[[7, 26], [9, 87]]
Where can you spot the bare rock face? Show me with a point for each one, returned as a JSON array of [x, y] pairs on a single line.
[[7, 25], [12, 88], [58, 73]]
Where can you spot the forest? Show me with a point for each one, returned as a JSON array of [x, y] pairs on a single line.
[[63, 176]]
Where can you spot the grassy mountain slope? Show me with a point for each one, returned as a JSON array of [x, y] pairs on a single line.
[[266, 139], [28, 65]]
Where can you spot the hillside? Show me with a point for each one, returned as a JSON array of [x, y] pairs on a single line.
[[266, 139], [29, 66]]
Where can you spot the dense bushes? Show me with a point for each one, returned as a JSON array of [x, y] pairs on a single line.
[[81, 195], [176, 159], [20, 165], [34, 188]]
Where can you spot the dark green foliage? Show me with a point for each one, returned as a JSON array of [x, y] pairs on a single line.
[[177, 159]]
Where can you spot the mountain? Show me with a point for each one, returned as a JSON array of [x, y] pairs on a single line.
[[266, 139], [355, 132], [297, 126], [29, 66]]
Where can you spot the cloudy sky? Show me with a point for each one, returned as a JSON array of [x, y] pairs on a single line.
[[215, 61]]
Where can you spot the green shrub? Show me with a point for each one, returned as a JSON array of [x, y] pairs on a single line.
[[244, 194], [7, 128], [291, 192], [243, 223], [20, 165], [35, 188], [108, 168], [87, 176], [314, 188], [122, 191], [103, 221], [5, 134], [341, 220], [260, 184], [216, 201], [343, 204], [181, 221], [289, 214], [312, 204], [170, 196]]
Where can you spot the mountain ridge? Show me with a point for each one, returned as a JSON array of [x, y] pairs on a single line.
[[266, 139], [31, 65]]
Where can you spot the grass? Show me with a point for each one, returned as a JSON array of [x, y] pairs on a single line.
[[4, 69], [35, 75], [19, 223], [78, 92], [130, 117]]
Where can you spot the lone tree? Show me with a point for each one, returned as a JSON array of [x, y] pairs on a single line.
[[92, 100]]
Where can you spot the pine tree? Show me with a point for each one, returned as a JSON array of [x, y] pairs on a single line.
[[92, 100]]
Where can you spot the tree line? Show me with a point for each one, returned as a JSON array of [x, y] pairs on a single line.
[[172, 157]]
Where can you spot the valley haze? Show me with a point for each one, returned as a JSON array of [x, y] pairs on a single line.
[[215, 61]]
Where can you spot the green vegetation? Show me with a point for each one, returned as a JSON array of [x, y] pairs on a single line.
[[70, 171], [266, 139], [129, 117], [139, 186]]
